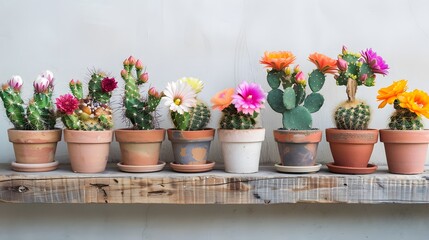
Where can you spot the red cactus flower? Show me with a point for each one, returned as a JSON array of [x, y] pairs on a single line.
[[108, 84], [67, 104]]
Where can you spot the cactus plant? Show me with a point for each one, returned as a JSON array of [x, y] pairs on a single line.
[[39, 113], [91, 113], [186, 111], [240, 107], [355, 70], [138, 110], [292, 101], [409, 106]]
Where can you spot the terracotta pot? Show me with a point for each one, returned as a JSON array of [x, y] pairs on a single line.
[[241, 149], [34, 146], [191, 147], [88, 150], [406, 150], [140, 147], [351, 148], [298, 147]]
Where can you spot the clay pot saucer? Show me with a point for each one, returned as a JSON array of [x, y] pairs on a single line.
[[34, 167], [298, 169], [192, 168], [142, 168], [352, 170]]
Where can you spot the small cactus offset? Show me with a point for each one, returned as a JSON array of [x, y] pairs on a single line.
[[39, 114], [138, 110], [409, 106], [356, 69], [91, 113], [292, 101], [241, 106], [186, 111]]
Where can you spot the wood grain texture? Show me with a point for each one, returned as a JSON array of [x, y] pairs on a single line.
[[215, 187]]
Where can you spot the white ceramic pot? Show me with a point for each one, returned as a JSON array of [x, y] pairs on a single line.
[[241, 149]]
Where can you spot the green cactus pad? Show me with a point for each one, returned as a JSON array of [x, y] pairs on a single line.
[[314, 102], [273, 78], [300, 93], [275, 100], [298, 118], [316, 80], [289, 98]]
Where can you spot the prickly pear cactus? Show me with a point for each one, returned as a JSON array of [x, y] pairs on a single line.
[[39, 114], [293, 102], [91, 113], [352, 116], [404, 119], [137, 109], [196, 119]]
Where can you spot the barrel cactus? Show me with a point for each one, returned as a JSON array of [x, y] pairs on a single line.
[[187, 112], [138, 109], [91, 113], [356, 69], [409, 106], [288, 95], [39, 113], [241, 106]]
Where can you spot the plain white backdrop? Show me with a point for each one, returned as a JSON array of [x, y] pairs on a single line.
[[221, 43]]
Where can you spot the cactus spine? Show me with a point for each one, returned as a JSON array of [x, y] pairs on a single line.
[[196, 119], [39, 114], [404, 119], [137, 109], [232, 119]]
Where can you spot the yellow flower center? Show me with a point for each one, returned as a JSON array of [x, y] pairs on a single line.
[[177, 101]]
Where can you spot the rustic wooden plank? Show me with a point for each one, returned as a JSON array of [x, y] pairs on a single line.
[[215, 187]]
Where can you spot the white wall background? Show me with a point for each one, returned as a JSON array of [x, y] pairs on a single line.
[[221, 43]]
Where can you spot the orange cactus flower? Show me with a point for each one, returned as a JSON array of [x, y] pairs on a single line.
[[388, 94], [324, 63], [416, 101], [222, 99], [278, 60]]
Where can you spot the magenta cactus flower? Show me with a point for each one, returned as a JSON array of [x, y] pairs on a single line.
[[108, 84], [375, 62], [249, 98], [67, 104], [15, 83]]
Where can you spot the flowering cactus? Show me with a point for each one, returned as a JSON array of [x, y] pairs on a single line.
[[187, 112], [356, 69], [39, 114], [137, 109], [292, 102], [241, 106], [91, 113]]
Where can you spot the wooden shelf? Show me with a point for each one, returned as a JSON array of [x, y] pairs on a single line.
[[215, 187]]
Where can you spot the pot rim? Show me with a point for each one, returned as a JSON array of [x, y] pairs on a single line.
[[139, 136], [206, 134], [404, 136], [241, 135], [367, 136], [297, 136], [76, 136], [55, 135]]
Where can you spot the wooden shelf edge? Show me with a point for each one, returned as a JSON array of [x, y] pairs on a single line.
[[215, 187]]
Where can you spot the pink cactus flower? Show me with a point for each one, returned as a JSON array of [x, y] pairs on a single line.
[[249, 98], [67, 104], [375, 62], [15, 83], [41, 85], [342, 64], [50, 76]]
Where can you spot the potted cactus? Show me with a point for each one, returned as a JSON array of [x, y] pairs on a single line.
[[34, 135], [406, 141], [351, 143], [88, 121], [240, 141], [190, 138], [297, 140], [141, 144]]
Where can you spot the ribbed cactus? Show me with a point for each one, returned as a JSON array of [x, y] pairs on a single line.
[[232, 119], [355, 70], [91, 113], [196, 119], [137, 109], [353, 117], [39, 114], [404, 119], [292, 101]]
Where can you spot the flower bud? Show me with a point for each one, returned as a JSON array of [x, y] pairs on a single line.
[[296, 69], [300, 78], [344, 50], [139, 65], [144, 77], [72, 82], [124, 73], [287, 71], [342, 64], [48, 75], [15, 82], [152, 92], [131, 60], [41, 85], [126, 62], [363, 77]]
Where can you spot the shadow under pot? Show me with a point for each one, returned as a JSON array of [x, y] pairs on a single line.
[[88, 150], [298, 147], [191, 147]]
